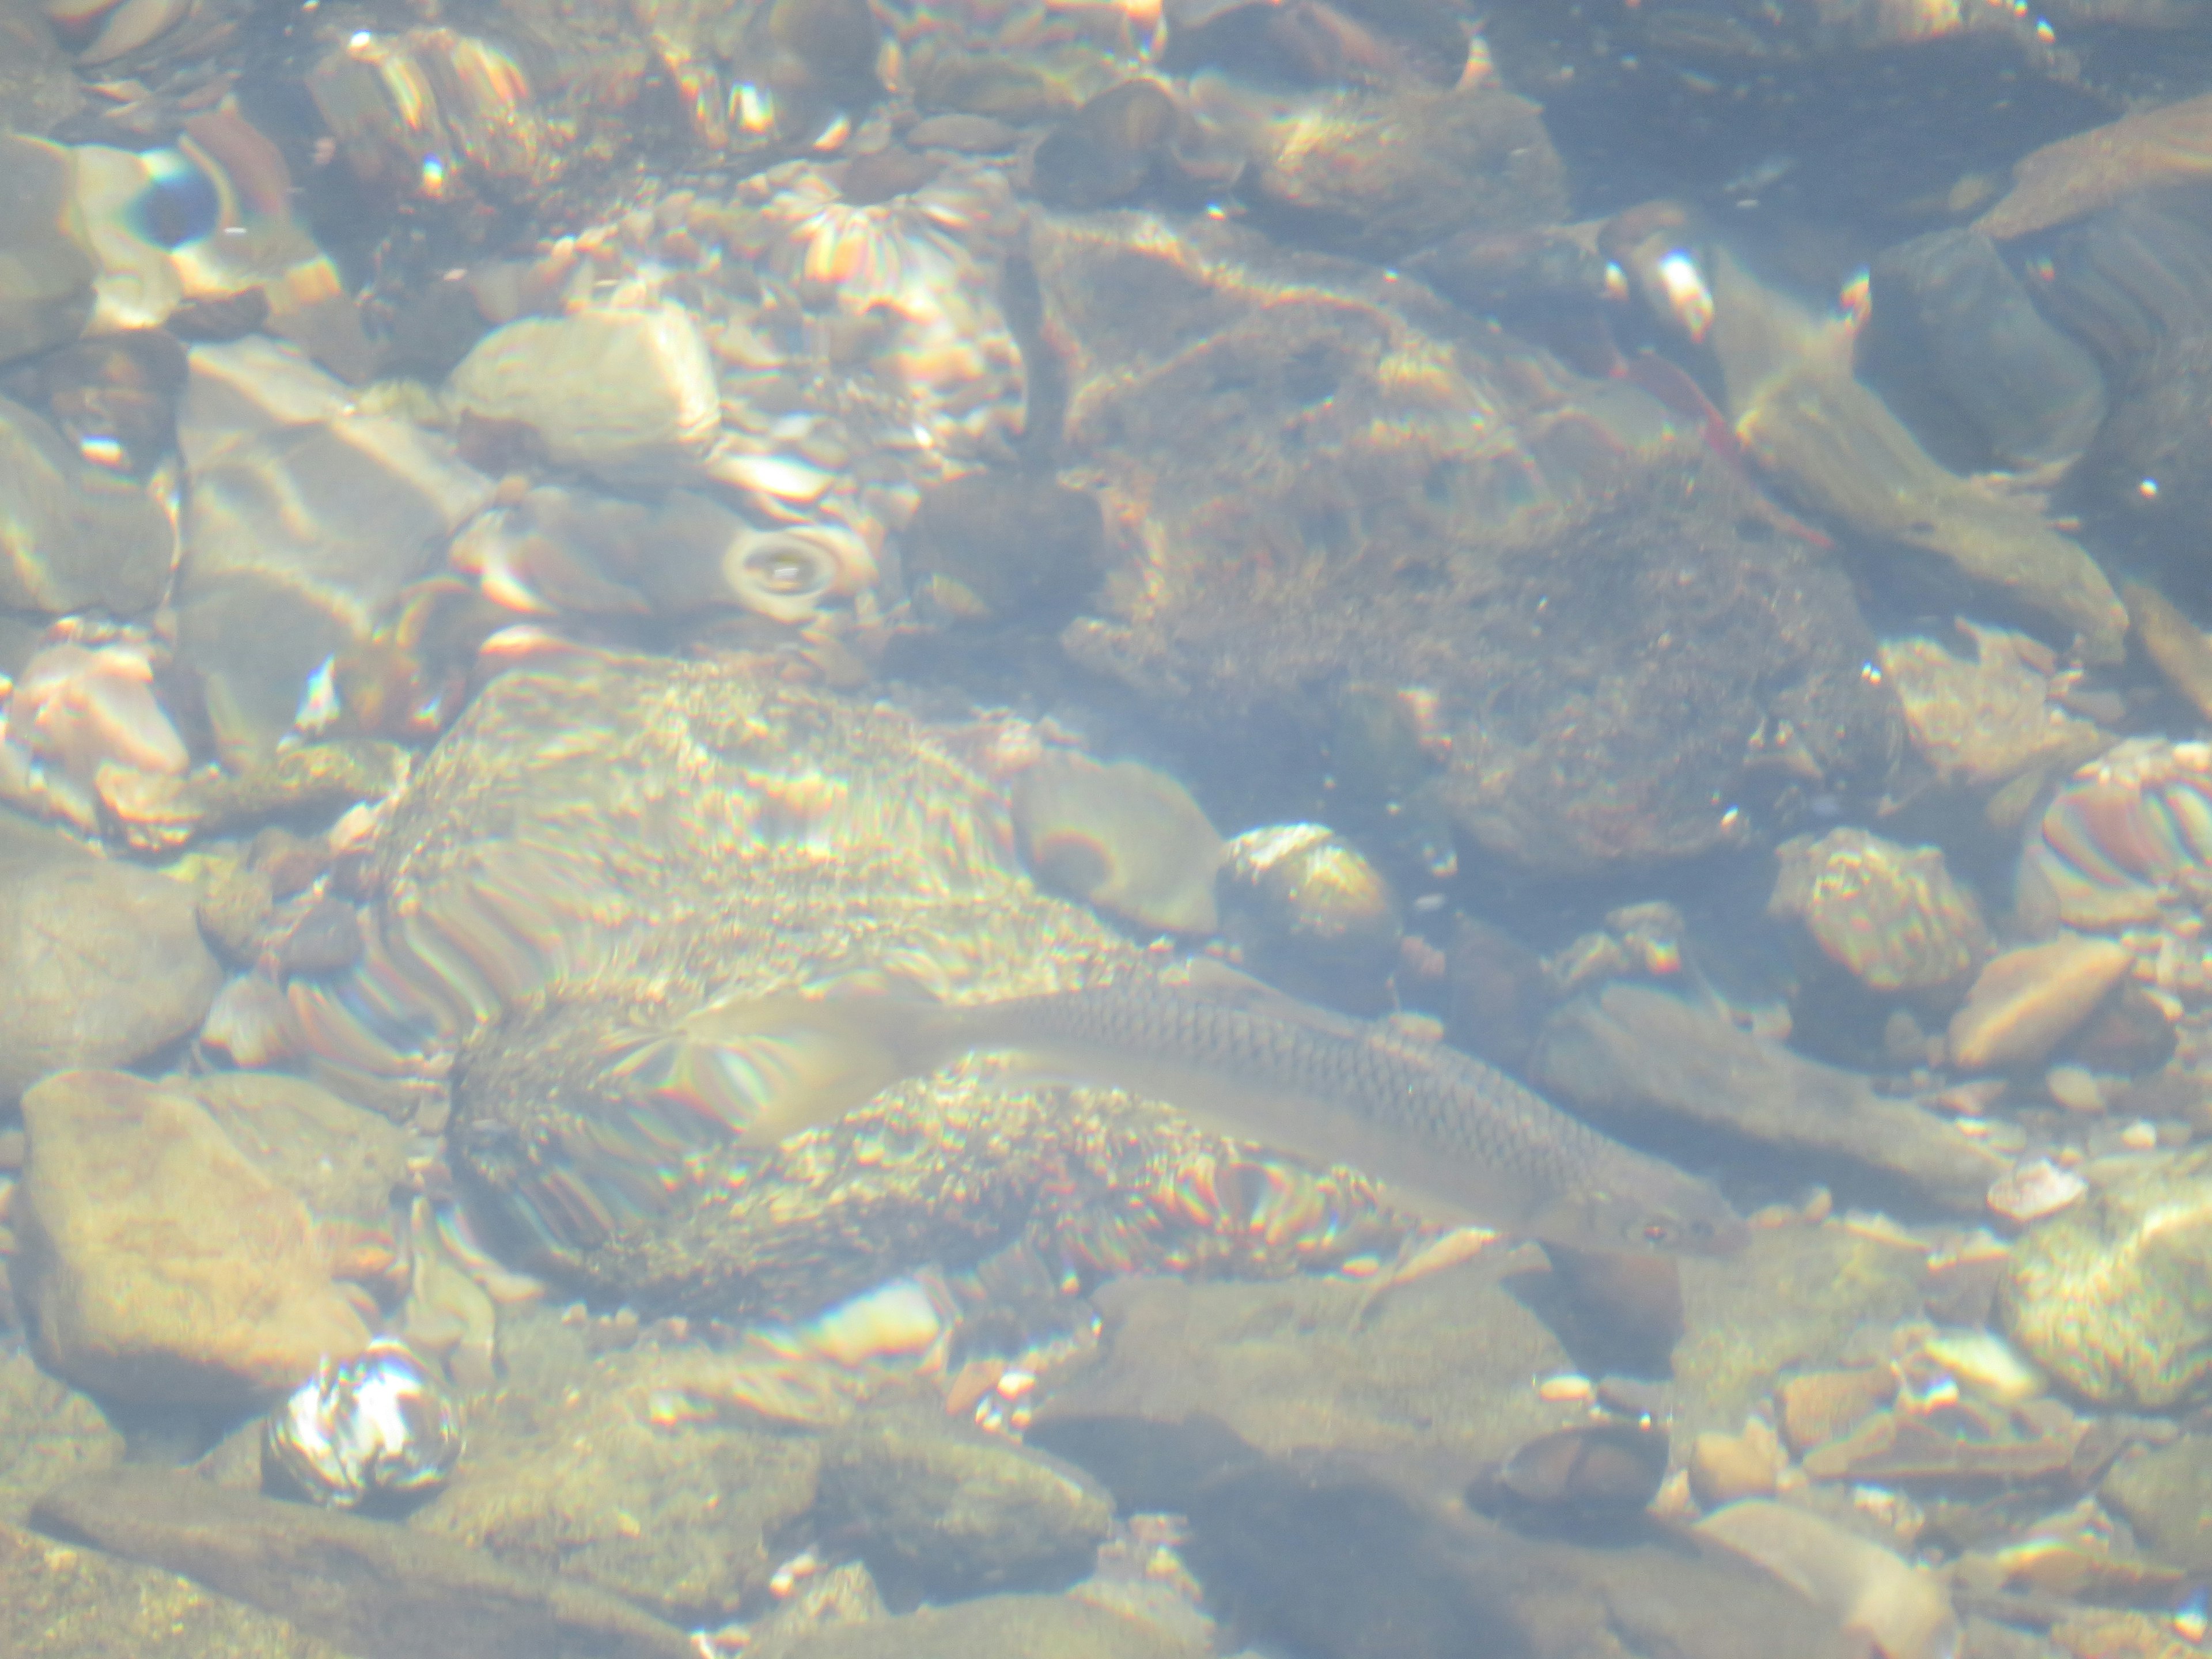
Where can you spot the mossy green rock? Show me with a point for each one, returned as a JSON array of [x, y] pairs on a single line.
[[2114, 1298]]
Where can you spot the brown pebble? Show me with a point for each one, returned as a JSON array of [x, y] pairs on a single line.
[[2128, 1035], [1818, 1405], [232, 906], [2028, 1001], [327, 940], [292, 863]]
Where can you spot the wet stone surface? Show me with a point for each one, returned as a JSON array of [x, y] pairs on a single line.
[[104, 959], [592, 855], [1566, 571]]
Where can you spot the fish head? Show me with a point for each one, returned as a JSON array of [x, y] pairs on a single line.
[[1662, 1212]]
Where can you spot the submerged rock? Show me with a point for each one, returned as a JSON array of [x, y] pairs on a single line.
[[103, 960], [1553, 567], [306, 518], [1983, 720], [1891, 915], [939, 1515], [995, 1624], [1871, 1592], [568, 1472], [82, 1604], [1630, 1051], [2112, 1297], [1437, 1371], [74, 536], [2025, 1003], [618, 392], [2164, 1493], [596, 852], [157, 1263], [368, 1587], [1126, 837], [1382, 175], [49, 295], [1324, 1558]]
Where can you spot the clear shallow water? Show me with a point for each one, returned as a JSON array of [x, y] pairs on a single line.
[[571, 571]]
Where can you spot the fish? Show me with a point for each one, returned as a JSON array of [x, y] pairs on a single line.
[[1455, 1140]]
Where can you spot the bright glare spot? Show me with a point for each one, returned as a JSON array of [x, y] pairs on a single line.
[[1687, 296]]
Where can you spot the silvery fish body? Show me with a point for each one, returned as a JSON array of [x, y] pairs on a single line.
[[1455, 1140], [378, 1425]]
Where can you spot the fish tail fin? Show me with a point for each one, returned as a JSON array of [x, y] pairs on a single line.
[[762, 1069]]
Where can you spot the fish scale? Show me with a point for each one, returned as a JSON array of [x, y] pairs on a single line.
[[1455, 1136]]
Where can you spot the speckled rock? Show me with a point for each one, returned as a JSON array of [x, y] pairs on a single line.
[[48, 1431], [157, 1263], [595, 852], [1383, 174], [1325, 482], [1891, 915], [567, 1471], [103, 960], [2113, 1296], [939, 1513], [1439, 1370], [343, 1162], [996, 1627], [2165, 1492], [58, 1601], [1791, 1301], [368, 1587], [1983, 719]]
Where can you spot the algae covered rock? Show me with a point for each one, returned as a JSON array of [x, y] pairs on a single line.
[[59, 1603], [368, 1587], [2113, 1296], [578, 1466], [1327, 481], [939, 1515], [594, 854]]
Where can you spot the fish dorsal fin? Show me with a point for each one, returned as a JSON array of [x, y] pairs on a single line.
[[1211, 979]]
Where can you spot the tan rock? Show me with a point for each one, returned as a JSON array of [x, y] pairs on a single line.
[[1891, 915], [1904, 1610], [158, 1262], [1979, 721], [1818, 1405], [610, 389], [2027, 1001], [1726, 1467]]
